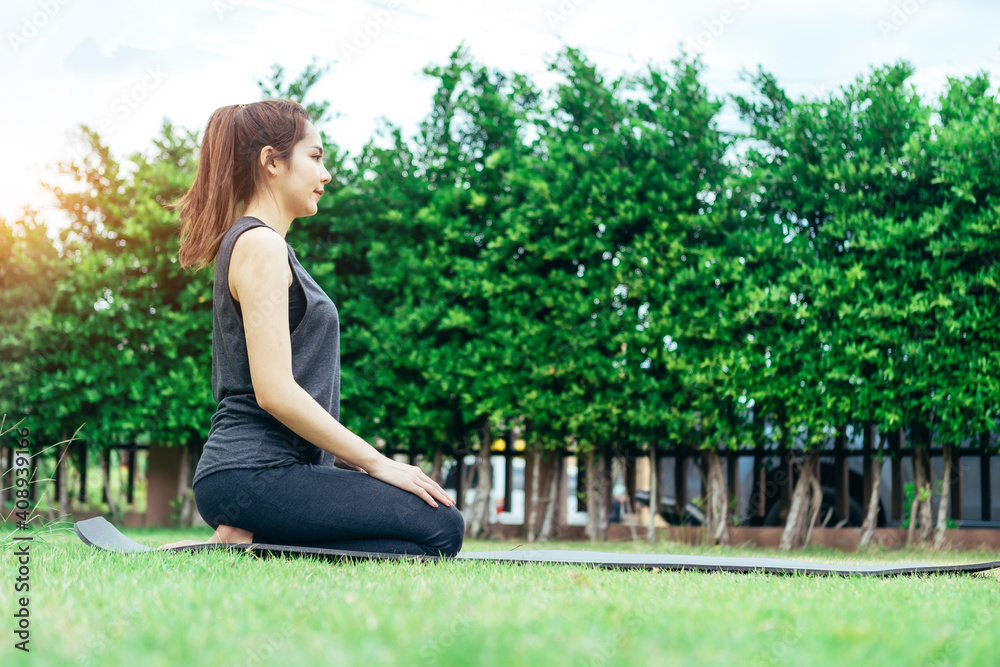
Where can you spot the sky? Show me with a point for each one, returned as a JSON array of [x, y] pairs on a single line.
[[122, 67]]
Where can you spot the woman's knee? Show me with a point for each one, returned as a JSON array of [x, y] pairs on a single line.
[[450, 532]]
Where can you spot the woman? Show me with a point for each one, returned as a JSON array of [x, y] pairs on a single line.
[[278, 467]]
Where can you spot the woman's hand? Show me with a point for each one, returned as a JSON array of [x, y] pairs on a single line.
[[410, 478]]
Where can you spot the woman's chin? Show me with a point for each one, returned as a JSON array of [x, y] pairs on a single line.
[[308, 211]]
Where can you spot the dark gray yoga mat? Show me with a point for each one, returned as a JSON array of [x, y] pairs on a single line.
[[100, 533]]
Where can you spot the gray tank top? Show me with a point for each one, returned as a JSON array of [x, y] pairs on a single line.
[[242, 434]]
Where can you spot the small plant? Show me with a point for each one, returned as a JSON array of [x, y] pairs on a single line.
[[908, 496], [907, 504], [734, 505], [176, 506]]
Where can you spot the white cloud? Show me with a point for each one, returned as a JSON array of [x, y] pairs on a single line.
[[89, 57]]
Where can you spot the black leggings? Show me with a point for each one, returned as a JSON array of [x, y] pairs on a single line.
[[330, 508]]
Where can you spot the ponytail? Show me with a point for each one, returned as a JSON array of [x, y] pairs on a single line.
[[229, 175], [207, 209]]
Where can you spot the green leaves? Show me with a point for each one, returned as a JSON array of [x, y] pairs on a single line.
[[119, 311], [885, 241], [596, 258]]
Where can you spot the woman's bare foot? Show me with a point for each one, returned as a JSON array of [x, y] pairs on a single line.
[[223, 534], [231, 535]]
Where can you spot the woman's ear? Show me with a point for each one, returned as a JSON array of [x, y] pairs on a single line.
[[267, 161]]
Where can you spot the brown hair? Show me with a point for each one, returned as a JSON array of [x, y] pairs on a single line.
[[229, 173]]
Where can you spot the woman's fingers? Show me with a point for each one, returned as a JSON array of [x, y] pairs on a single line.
[[433, 490], [438, 492], [426, 495], [431, 495], [445, 498], [412, 479]]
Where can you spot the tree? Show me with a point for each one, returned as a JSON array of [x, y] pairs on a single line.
[[680, 267], [835, 175]]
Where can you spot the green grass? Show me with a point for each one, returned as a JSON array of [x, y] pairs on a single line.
[[233, 608]]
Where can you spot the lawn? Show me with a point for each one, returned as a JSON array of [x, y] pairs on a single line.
[[233, 608]]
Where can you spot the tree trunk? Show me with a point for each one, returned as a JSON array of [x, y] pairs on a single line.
[[920, 509], [480, 524], [467, 472], [942, 520], [631, 519], [797, 523], [627, 515], [82, 494], [436, 466], [871, 515], [914, 505], [107, 482], [549, 522], [927, 507], [607, 482], [717, 504], [532, 505], [63, 472], [816, 502], [591, 528], [186, 509], [597, 512], [654, 494]]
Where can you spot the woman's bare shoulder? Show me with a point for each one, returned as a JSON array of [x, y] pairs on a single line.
[[261, 237], [258, 249]]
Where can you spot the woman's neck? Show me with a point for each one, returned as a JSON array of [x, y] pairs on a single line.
[[270, 213]]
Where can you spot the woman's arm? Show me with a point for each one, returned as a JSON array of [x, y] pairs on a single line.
[[341, 463], [259, 275]]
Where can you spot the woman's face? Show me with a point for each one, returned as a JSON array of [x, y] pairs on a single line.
[[299, 181]]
